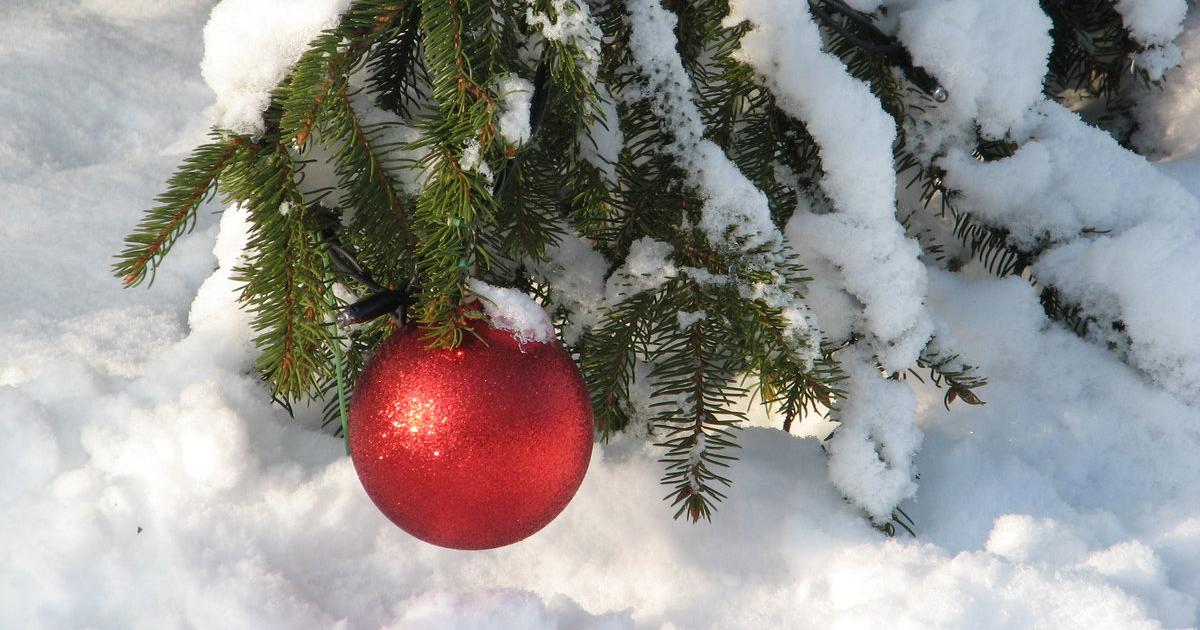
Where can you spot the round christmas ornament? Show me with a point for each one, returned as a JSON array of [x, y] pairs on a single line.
[[475, 447]]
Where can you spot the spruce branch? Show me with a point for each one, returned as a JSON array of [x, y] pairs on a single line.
[[397, 77], [946, 370], [610, 351], [694, 370], [492, 208], [175, 211], [324, 69], [450, 214], [364, 170], [788, 383], [283, 274], [529, 201], [450, 28], [1092, 48]]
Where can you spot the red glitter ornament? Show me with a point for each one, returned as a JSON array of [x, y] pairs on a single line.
[[475, 447]]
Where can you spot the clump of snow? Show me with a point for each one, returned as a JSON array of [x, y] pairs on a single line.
[[650, 259], [250, 46], [1169, 117], [575, 270], [990, 56], [572, 25], [211, 315], [647, 267], [472, 161], [834, 311], [1153, 22], [735, 212], [687, 319], [1076, 177], [512, 310], [1143, 278], [871, 454], [862, 238], [516, 95], [1156, 61]]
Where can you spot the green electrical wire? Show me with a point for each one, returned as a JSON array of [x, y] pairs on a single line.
[[341, 390], [338, 368]]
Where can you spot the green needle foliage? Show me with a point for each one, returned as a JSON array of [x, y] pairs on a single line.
[[175, 211], [412, 90]]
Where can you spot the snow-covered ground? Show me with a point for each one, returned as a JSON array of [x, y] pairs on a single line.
[[148, 483]]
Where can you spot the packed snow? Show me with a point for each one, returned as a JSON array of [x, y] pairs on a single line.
[[150, 483]]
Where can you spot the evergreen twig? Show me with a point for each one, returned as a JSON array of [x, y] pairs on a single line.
[[175, 211]]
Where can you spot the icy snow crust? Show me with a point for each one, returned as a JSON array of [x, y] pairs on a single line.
[[148, 483]]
